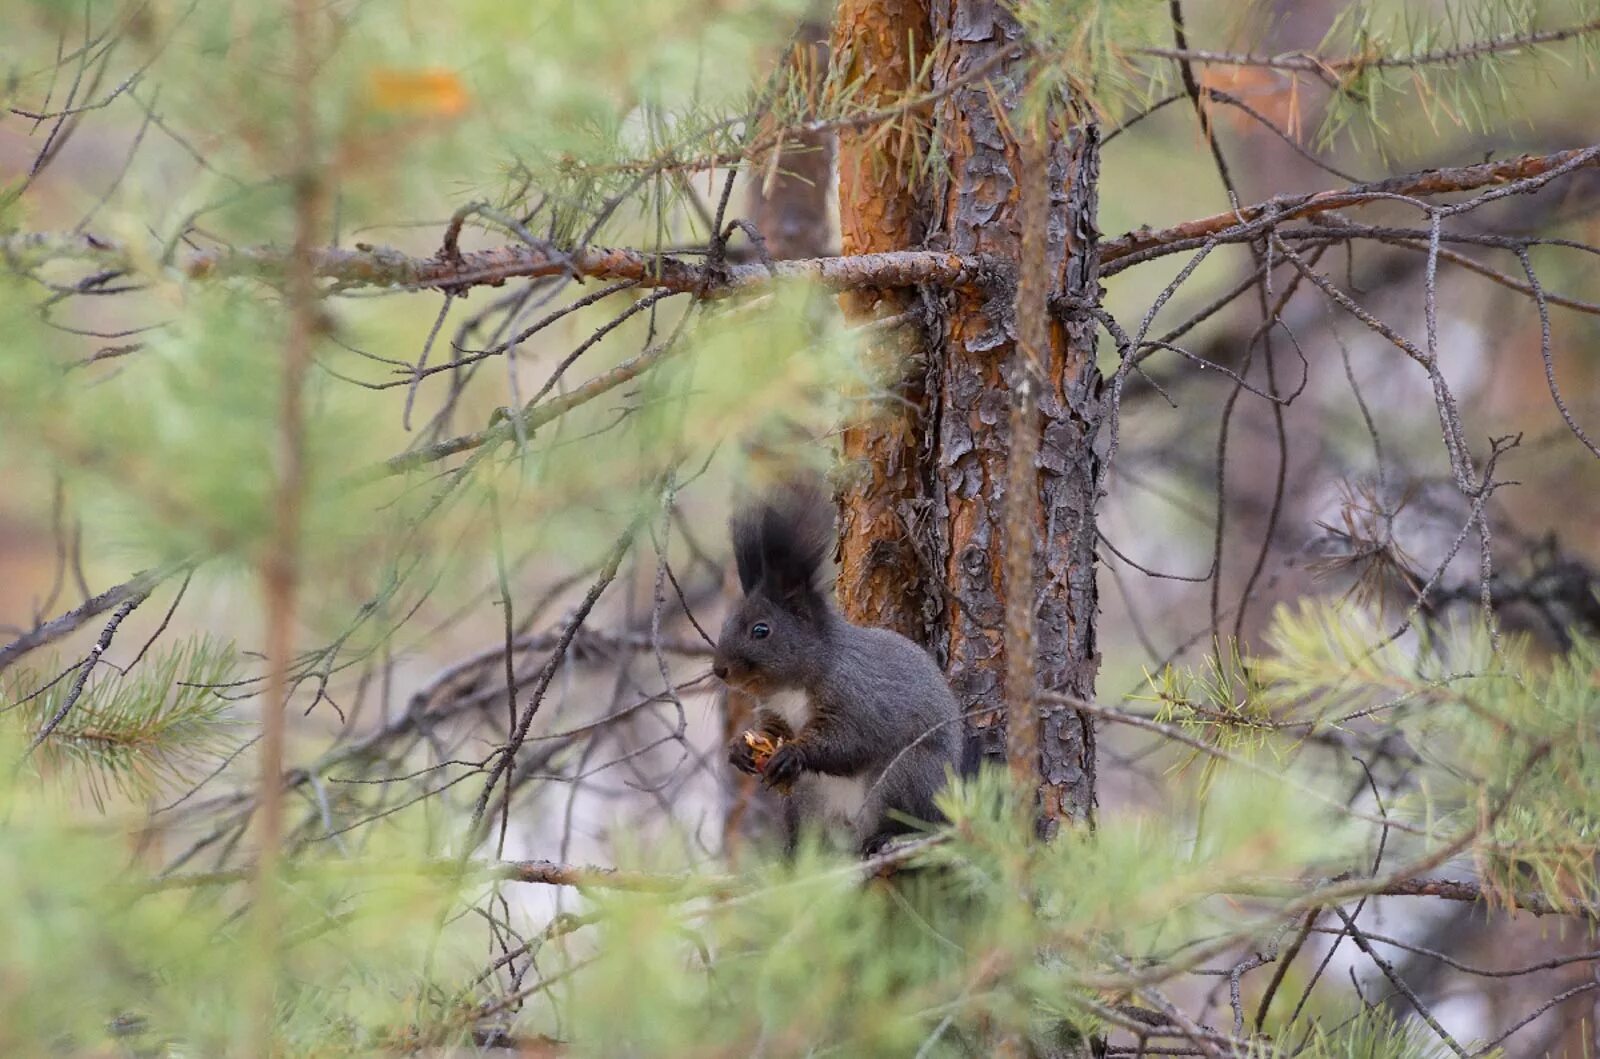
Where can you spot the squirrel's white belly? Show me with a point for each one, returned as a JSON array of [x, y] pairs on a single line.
[[793, 706], [840, 798], [837, 799]]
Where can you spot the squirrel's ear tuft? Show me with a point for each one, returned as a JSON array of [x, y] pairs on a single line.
[[745, 529], [779, 547]]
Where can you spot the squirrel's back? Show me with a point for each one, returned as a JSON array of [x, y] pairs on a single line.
[[899, 687]]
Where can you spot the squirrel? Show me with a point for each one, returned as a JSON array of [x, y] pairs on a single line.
[[861, 726]]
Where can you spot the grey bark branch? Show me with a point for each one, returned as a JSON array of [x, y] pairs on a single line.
[[85, 668], [136, 587]]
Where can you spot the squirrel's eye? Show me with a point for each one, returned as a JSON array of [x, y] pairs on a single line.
[[760, 631]]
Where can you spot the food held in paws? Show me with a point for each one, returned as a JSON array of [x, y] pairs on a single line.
[[762, 747]]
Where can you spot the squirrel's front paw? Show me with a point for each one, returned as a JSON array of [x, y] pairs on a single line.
[[783, 767], [742, 754]]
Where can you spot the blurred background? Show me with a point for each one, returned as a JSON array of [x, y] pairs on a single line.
[[139, 411]]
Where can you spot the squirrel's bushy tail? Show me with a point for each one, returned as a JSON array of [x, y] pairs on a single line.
[[782, 540]]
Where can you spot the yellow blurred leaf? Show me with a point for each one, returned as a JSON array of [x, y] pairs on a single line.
[[431, 92]]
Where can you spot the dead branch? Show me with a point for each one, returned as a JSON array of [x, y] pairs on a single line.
[[368, 266], [1540, 904], [136, 588], [1304, 62], [86, 667], [553, 873], [383, 267], [586, 876], [1289, 207]]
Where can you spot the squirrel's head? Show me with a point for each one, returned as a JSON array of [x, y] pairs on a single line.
[[776, 636], [767, 645]]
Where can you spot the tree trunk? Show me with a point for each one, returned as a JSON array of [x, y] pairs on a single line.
[[923, 535], [887, 575], [789, 197], [978, 203]]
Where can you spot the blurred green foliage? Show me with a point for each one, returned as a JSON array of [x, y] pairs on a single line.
[[982, 931]]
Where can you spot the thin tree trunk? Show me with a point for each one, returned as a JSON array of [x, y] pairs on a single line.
[[280, 571], [789, 196], [1034, 343], [789, 208]]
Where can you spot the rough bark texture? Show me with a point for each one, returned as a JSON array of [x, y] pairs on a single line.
[[977, 208], [1034, 342], [1073, 408], [886, 577]]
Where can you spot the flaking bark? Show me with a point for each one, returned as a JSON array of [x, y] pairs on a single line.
[[978, 208]]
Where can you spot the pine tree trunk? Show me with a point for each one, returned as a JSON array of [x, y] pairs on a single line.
[[887, 573], [789, 197], [933, 487]]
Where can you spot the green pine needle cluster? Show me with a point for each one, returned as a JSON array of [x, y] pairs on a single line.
[[131, 734], [1459, 62]]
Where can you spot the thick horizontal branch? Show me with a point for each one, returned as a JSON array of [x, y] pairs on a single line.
[[376, 266], [1467, 891], [366, 266], [1289, 207], [588, 876], [530, 871], [879, 865], [379, 267], [582, 876]]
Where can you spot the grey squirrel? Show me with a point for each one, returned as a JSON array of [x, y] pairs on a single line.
[[865, 725]]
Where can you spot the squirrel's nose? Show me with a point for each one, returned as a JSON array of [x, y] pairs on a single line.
[[720, 670]]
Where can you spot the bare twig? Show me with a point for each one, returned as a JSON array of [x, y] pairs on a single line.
[[84, 669], [138, 586], [1303, 62]]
